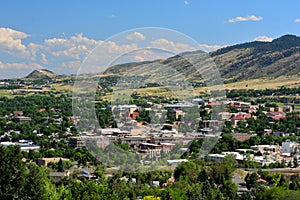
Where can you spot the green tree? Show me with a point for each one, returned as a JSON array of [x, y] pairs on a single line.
[[251, 179], [60, 166]]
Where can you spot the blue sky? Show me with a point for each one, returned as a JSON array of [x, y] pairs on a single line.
[[28, 24]]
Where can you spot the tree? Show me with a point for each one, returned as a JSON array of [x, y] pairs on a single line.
[[188, 171], [18, 180], [60, 166], [207, 190], [34, 184], [251, 180], [229, 189], [295, 162], [12, 173]]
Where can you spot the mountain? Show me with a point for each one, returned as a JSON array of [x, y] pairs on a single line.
[[41, 74], [250, 60], [281, 57]]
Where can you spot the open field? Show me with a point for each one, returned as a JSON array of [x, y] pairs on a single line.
[[62, 87], [188, 91], [291, 81], [249, 84]]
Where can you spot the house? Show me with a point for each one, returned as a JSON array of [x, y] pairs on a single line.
[[177, 113], [18, 113], [59, 175], [46, 161], [241, 136], [276, 115], [225, 115], [240, 117], [20, 119]]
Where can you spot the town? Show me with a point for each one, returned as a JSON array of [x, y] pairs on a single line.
[[255, 129]]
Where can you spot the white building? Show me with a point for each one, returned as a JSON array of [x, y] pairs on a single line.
[[290, 147], [175, 163]]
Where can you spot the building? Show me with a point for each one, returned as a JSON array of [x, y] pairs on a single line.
[[177, 113], [211, 124], [224, 115], [18, 113], [108, 131], [240, 117], [289, 147], [59, 175], [77, 142], [154, 150], [46, 161], [25, 145], [175, 163], [20, 119], [276, 115], [134, 140], [241, 136], [220, 157]]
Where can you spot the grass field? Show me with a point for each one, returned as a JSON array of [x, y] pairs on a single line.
[[248, 84], [292, 81], [186, 92]]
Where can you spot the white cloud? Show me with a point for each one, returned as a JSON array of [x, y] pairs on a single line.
[[55, 41], [176, 48], [33, 49], [247, 18], [135, 36], [75, 47], [263, 38], [297, 20], [14, 70], [65, 55], [186, 2], [44, 59], [11, 41], [209, 48]]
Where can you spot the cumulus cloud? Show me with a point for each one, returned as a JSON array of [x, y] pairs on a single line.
[[247, 18], [44, 59], [14, 70], [209, 48], [11, 41], [75, 47], [33, 49], [149, 54], [297, 20], [263, 38], [176, 48], [19, 66], [65, 55], [135, 36]]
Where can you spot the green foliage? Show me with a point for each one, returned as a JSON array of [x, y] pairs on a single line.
[[18, 180], [251, 179]]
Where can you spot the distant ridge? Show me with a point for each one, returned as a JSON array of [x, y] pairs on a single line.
[[41, 74], [251, 60]]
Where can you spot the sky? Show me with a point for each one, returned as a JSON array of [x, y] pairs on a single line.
[[59, 35]]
